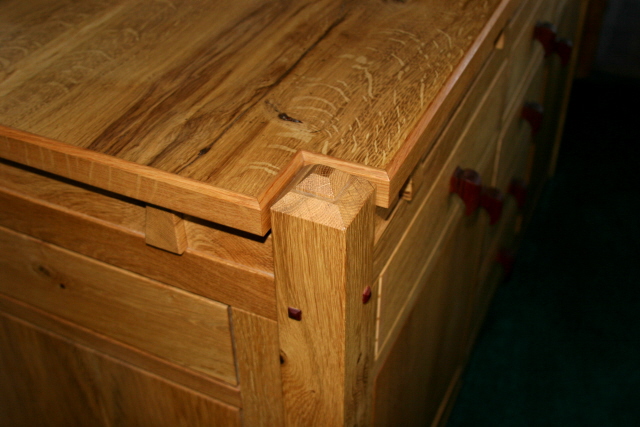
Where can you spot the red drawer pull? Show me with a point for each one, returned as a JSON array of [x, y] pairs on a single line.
[[518, 189], [564, 48], [546, 33], [533, 113], [492, 201], [506, 259], [467, 184]]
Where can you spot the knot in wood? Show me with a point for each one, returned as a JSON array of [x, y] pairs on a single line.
[[324, 181]]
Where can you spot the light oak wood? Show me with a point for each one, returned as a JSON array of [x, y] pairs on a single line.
[[186, 120], [247, 251], [323, 246], [413, 379], [570, 14], [389, 231], [258, 358], [502, 236], [515, 146], [475, 149], [65, 384], [165, 230], [131, 180], [524, 49], [203, 236], [197, 272], [193, 380], [85, 200], [173, 324], [148, 148]]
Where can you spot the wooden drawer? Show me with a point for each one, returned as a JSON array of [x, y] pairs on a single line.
[[390, 231], [515, 145], [65, 384], [217, 263], [418, 376], [523, 49], [474, 149], [177, 326]]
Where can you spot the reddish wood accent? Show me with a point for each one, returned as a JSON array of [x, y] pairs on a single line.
[[546, 33], [533, 113], [492, 200], [294, 313], [467, 184], [518, 189], [506, 259], [366, 295], [564, 49]]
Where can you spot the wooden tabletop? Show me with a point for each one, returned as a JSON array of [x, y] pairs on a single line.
[[210, 108]]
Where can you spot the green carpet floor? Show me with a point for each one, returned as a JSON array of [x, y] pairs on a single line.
[[561, 342]]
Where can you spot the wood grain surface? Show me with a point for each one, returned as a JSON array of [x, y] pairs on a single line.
[[183, 103], [205, 237], [65, 384], [258, 359], [414, 377], [194, 271], [181, 327], [165, 230], [323, 245], [193, 380]]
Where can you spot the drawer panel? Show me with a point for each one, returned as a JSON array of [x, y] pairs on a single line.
[[431, 346], [114, 210], [525, 50], [499, 237], [515, 146], [178, 326], [48, 209], [64, 384], [476, 150], [521, 18], [390, 232]]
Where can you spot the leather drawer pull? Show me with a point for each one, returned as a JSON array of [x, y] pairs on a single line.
[[564, 48], [467, 184], [492, 201], [546, 33], [506, 259], [533, 113], [518, 189]]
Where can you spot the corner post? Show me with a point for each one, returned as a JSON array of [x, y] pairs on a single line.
[[323, 233]]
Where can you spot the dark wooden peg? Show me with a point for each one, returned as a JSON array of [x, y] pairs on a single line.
[[492, 200], [533, 113], [564, 48], [518, 189], [366, 295], [467, 184], [546, 33], [294, 313]]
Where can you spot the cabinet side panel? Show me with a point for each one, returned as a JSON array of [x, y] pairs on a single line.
[[258, 358], [46, 380]]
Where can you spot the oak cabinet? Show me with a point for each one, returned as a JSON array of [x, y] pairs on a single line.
[[263, 213]]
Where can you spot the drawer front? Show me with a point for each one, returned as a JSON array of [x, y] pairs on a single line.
[[475, 149], [515, 146], [432, 345], [217, 264], [524, 50], [177, 326], [64, 384], [389, 232]]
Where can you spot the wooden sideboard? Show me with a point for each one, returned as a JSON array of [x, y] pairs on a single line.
[[263, 213]]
